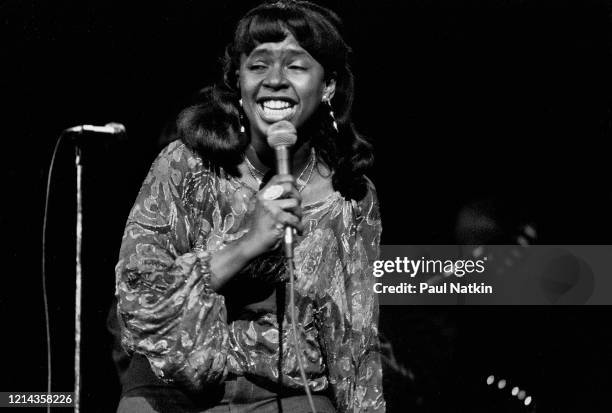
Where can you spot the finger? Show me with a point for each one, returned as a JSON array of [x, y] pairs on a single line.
[[287, 218], [291, 205], [279, 190], [290, 191]]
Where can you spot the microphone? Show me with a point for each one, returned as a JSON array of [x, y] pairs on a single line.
[[281, 136], [112, 128]]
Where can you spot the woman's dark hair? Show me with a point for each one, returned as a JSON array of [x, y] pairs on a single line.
[[211, 128], [317, 30]]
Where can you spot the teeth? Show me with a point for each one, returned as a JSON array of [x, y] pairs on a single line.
[[277, 113], [276, 104], [275, 110]]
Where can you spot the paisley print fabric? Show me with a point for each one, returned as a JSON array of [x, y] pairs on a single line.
[[168, 313]]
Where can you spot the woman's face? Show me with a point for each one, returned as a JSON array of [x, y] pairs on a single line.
[[281, 81]]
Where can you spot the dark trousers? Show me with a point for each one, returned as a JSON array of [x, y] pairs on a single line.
[[238, 395]]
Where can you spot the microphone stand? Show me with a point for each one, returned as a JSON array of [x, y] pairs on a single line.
[[78, 281], [110, 128]]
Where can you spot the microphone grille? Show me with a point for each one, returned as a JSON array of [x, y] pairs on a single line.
[[118, 127], [282, 134]]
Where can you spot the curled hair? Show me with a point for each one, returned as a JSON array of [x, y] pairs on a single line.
[[317, 30], [211, 128]]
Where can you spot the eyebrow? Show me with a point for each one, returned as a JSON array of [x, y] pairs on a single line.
[[266, 52]]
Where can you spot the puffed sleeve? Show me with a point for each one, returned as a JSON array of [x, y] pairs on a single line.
[[353, 348], [167, 312]]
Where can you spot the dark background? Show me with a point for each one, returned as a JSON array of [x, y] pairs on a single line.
[[497, 109]]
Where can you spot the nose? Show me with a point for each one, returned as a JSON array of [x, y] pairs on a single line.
[[275, 78]]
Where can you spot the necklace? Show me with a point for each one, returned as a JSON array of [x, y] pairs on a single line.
[[310, 167], [301, 183], [255, 173]]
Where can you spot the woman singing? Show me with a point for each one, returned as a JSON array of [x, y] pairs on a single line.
[[202, 280]]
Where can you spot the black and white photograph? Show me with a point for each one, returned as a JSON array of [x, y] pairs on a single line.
[[297, 206]]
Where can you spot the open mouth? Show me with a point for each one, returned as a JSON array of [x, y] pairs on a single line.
[[274, 110]]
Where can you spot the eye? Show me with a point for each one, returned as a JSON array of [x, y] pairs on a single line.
[[298, 67], [298, 64], [257, 66]]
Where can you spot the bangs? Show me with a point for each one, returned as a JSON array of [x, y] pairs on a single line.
[[274, 24], [316, 29]]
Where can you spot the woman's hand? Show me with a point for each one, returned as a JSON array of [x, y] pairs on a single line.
[[272, 215], [265, 229]]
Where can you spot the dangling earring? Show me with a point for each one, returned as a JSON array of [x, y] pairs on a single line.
[[240, 119], [331, 113]]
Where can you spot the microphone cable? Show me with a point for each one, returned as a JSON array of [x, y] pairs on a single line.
[[43, 265], [296, 344]]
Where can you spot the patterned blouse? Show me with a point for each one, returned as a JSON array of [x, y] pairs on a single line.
[[194, 336]]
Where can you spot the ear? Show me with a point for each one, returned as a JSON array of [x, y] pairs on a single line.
[[329, 90]]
